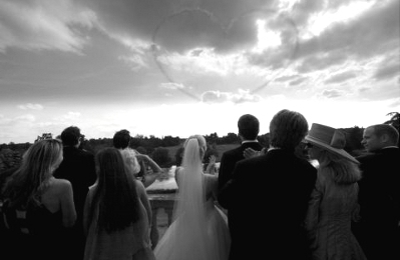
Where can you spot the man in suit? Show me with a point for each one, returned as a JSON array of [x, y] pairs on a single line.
[[78, 167], [379, 195], [249, 127], [267, 197]]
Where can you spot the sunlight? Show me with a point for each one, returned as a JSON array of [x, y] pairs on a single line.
[[266, 38], [323, 20]]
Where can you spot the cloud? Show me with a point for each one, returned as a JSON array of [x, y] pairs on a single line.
[[43, 25], [30, 106], [373, 33], [222, 97], [297, 81], [340, 77], [332, 93], [179, 26], [387, 72]]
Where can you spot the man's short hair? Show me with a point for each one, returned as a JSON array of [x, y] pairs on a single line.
[[389, 130], [70, 136], [121, 139], [249, 127], [287, 129]]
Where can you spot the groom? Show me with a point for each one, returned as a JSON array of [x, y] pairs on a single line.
[[268, 196]]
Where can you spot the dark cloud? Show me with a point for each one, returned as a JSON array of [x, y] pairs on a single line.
[[340, 77], [297, 81], [183, 25], [388, 72], [321, 61], [375, 32], [332, 93]]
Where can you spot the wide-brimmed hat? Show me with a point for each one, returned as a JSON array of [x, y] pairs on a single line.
[[330, 139]]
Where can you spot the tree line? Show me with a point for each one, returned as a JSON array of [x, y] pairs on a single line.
[[158, 148]]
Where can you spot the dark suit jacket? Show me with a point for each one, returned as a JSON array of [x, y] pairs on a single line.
[[78, 167], [230, 158], [267, 199], [379, 199]]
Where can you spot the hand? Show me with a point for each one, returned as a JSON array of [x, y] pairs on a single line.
[[212, 159], [249, 153]]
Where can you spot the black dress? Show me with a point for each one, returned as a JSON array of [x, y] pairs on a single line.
[[34, 233]]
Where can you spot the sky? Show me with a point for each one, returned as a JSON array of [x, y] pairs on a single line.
[[183, 67]]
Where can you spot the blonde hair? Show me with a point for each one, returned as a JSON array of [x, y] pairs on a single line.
[[341, 170], [131, 163], [28, 183]]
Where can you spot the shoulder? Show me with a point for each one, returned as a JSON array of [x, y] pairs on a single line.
[[139, 187], [61, 183], [231, 152]]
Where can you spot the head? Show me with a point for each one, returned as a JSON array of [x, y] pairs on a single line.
[[379, 136], [131, 163], [71, 136], [249, 127], [38, 164], [287, 129], [325, 140], [43, 157], [110, 165], [201, 143], [121, 139]]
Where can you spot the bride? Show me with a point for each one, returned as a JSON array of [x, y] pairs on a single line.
[[200, 230]]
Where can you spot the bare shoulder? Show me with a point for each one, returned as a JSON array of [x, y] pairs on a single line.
[[61, 185]]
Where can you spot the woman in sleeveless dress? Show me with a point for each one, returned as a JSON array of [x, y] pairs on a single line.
[[38, 208], [333, 202], [115, 220], [200, 230]]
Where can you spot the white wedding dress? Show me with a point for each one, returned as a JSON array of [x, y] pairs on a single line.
[[200, 230]]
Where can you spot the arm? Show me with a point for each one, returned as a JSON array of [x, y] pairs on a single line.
[[67, 204], [86, 221], [144, 199], [312, 217], [156, 169], [225, 170], [227, 192], [211, 165]]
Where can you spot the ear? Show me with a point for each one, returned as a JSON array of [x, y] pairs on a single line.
[[385, 138]]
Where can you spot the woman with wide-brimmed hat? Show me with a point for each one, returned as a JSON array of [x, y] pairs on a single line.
[[333, 203]]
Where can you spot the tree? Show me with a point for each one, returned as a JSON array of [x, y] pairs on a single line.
[[161, 157], [394, 121]]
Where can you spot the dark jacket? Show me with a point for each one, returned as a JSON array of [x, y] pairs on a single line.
[[78, 167], [379, 199], [267, 200], [230, 158]]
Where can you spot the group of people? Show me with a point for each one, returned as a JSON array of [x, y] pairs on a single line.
[[263, 203]]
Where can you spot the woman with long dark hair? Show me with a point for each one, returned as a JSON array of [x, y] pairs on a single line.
[[115, 220]]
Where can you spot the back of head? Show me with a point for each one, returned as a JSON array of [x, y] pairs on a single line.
[[249, 127], [194, 150], [110, 165], [70, 136], [38, 163], [121, 139], [287, 129], [390, 131]]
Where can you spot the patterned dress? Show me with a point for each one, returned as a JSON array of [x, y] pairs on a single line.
[[331, 210]]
